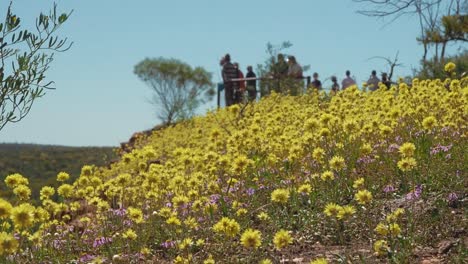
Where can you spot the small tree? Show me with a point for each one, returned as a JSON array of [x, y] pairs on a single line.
[[269, 67], [440, 21], [178, 88], [25, 57]]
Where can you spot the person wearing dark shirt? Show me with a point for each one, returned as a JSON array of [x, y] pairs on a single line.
[[239, 93], [335, 86], [386, 81], [251, 84], [281, 67], [316, 83], [229, 73]]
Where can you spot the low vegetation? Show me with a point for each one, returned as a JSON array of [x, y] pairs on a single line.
[[42, 163]]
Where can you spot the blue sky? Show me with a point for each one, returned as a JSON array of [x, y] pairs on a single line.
[[99, 101]]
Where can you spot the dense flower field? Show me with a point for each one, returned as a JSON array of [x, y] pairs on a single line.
[[354, 177]]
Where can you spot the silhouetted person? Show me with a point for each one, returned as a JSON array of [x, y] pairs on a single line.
[[279, 71], [348, 81], [229, 73], [385, 80], [373, 82], [316, 83], [335, 86], [281, 67], [239, 93], [251, 84]]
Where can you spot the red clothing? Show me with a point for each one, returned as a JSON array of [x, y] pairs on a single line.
[[241, 83]]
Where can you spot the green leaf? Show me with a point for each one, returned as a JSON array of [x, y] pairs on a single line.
[[62, 18]]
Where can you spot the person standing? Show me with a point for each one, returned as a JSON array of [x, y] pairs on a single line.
[[386, 81], [239, 93], [316, 83], [279, 72], [348, 81], [229, 73], [295, 73], [335, 86], [373, 82], [281, 67], [251, 84]]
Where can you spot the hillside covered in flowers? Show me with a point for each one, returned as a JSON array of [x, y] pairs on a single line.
[[355, 177]]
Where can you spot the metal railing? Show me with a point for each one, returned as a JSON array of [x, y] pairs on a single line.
[[220, 87]]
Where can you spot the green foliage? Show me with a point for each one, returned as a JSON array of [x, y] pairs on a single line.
[[25, 57], [42, 163], [433, 69], [178, 88], [271, 68]]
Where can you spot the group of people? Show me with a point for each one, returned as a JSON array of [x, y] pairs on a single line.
[[284, 73], [234, 85], [372, 83]]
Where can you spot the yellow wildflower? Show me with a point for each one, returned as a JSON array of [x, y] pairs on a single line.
[[280, 196], [23, 216], [282, 239], [251, 238], [407, 164], [381, 247], [5, 209], [363, 197], [62, 176], [8, 244], [319, 261]]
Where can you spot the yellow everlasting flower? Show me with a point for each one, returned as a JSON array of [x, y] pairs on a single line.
[[8, 244], [429, 122], [209, 260], [363, 197], [282, 239], [407, 149], [327, 175], [305, 189], [135, 214], [345, 212], [130, 234], [381, 247], [332, 209], [319, 261], [251, 238], [337, 163], [227, 226], [407, 164], [263, 216], [65, 190], [280, 196], [23, 216], [15, 179], [394, 229], [450, 67], [381, 229], [46, 192], [63, 176], [22, 192], [358, 183], [5, 209]]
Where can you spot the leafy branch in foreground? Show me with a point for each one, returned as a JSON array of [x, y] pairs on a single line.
[[25, 57]]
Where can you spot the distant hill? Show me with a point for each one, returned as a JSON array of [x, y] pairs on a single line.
[[41, 163]]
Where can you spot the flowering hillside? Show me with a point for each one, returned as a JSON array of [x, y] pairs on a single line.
[[359, 177]]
